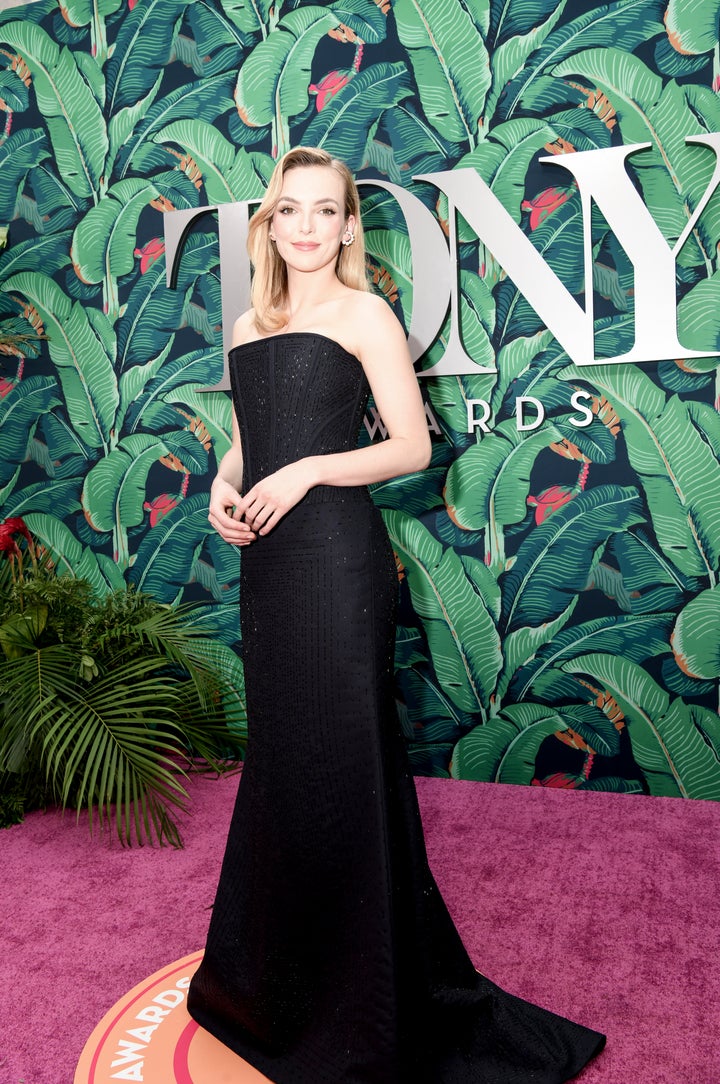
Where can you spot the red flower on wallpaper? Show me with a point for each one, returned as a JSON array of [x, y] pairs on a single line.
[[328, 87], [550, 499], [159, 507], [544, 204], [558, 781], [149, 253]]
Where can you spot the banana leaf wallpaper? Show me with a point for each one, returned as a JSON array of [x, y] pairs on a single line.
[[560, 607]]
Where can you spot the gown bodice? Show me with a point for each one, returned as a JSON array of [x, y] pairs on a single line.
[[296, 394]]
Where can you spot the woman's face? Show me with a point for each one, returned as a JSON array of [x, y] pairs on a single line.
[[309, 221]]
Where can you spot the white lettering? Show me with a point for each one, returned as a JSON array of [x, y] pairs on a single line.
[[153, 1013], [575, 398], [169, 998], [128, 1052], [520, 402], [133, 1072], [473, 422], [432, 424], [602, 178], [145, 1034], [375, 424]]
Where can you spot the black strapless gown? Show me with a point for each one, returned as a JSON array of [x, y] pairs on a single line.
[[331, 957]]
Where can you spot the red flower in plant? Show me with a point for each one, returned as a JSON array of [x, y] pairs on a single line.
[[549, 500], [544, 204], [328, 87], [159, 507], [9, 528], [6, 386], [149, 253]]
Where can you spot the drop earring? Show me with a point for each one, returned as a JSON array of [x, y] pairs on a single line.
[[348, 238]]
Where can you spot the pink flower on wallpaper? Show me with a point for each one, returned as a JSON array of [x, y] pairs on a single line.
[[544, 204], [549, 500], [149, 253], [328, 87], [159, 507]]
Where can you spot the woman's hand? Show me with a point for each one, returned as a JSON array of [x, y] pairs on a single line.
[[266, 503], [226, 516]]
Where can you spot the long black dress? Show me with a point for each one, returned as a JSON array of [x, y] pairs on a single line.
[[331, 958]]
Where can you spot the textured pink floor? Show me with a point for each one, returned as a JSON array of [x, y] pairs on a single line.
[[603, 907]]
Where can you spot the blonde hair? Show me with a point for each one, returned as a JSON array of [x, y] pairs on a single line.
[[269, 287]]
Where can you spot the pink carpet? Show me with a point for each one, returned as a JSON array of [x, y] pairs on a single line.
[[603, 907]]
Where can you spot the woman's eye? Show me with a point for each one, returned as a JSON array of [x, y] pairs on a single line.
[[286, 210], [328, 211]]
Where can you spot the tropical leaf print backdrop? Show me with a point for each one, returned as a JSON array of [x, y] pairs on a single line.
[[560, 608]]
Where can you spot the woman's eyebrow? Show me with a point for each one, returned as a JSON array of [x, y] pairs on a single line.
[[296, 203]]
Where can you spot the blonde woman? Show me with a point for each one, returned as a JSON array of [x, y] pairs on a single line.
[[331, 958]]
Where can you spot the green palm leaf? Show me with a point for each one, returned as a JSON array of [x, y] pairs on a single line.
[[366, 20], [698, 322], [228, 174], [675, 744], [211, 96], [503, 160], [559, 239], [69, 555], [692, 25], [165, 557], [451, 65], [20, 411], [505, 748], [85, 371], [114, 489], [391, 252], [274, 79], [553, 564], [141, 48], [633, 637], [18, 154], [457, 617], [92, 13], [696, 636], [105, 239], [488, 485], [626, 24], [46, 496], [250, 16], [343, 126], [516, 33], [650, 578], [673, 175], [413, 493], [670, 450], [73, 116], [48, 253], [152, 315], [191, 368]]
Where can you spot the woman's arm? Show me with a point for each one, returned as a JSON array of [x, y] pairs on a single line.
[[383, 351], [224, 511]]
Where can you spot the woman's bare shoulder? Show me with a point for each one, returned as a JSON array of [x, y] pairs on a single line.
[[244, 329], [374, 324]]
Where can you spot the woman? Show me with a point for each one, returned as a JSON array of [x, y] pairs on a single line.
[[331, 958]]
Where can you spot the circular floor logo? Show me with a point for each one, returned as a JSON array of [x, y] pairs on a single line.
[[148, 1036]]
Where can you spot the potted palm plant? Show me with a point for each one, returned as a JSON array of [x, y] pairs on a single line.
[[106, 704]]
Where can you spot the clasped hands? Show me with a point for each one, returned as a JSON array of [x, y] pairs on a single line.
[[239, 520]]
